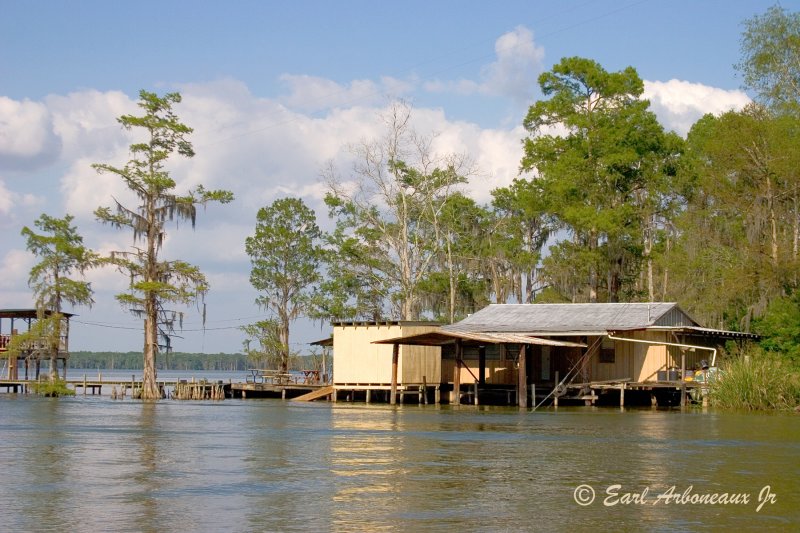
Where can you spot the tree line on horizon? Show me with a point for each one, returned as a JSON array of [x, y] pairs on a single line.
[[223, 362], [608, 207]]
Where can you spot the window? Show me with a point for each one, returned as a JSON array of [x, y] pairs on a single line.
[[607, 352]]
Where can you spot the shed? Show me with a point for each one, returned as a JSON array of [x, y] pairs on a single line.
[[358, 363]]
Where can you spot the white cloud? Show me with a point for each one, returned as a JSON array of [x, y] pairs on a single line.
[[27, 140], [86, 123], [513, 73], [14, 269], [311, 94], [679, 104], [256, 147], [518, 63], [11, 202], [6, 201]]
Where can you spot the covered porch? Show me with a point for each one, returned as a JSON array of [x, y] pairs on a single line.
[[490, 363], [29, 358]]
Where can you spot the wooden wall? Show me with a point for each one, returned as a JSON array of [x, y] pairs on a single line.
[[497, 372], [357, 361], [641, 362], [418, 362]]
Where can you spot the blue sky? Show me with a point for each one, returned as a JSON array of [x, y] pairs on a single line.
[[276, 89]]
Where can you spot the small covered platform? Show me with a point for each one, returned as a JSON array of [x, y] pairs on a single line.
[[14, 322]]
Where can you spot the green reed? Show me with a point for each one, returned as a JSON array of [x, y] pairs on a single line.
[[756, 380]]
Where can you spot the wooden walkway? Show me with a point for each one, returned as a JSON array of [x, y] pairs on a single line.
[[88, 386], [282, 390], [181, 389]]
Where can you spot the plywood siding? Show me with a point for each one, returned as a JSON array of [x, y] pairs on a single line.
[[642, 362], [418, 362], [357, 361]]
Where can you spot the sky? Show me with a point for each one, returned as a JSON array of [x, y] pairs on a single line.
[[275, 90]]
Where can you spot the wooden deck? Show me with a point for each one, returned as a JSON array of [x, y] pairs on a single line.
[[272, 390], [593, 392]]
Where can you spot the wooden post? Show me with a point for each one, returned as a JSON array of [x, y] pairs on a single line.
[[395, 357], [437, 395], [482, 365], [84, 384], [683, 373], [457, 375], [522, 380], [622, 394], [555, 396], [368, 395], [476, 394], [425, 390]]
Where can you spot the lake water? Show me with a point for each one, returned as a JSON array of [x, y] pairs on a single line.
[[94, 464]]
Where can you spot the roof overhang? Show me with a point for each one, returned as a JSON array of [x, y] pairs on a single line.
[[708, 332], [323, 342], [27, 313], [441, 338]]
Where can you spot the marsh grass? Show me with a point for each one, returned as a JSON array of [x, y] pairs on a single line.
[[52, 388], [756, 380]]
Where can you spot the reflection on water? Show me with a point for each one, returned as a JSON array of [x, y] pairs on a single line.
[[266, 465]]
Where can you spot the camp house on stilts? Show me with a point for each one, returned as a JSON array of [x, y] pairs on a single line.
[[529, 354], [28, 360]]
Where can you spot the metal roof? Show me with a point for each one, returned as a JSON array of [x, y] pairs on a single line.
[[347, 323], [26, 313], [323, 342], [441, 337], [576, 319]]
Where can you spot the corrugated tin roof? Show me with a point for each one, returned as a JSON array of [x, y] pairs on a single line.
[[571, 318], [441, 337]]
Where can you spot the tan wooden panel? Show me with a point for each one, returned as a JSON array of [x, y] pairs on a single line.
[[357, 360]]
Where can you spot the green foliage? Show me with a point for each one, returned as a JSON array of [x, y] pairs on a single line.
[[771, 58], [755, 380], [61, 253], [285, 255], [154, 282], [52, 388], [42, 339], [388, 234], [263, 345], [525, 223], [603, 180], [779, 328], [744, 203]]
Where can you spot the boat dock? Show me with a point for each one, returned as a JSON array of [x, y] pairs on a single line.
[[273, 383], [118, 388]]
